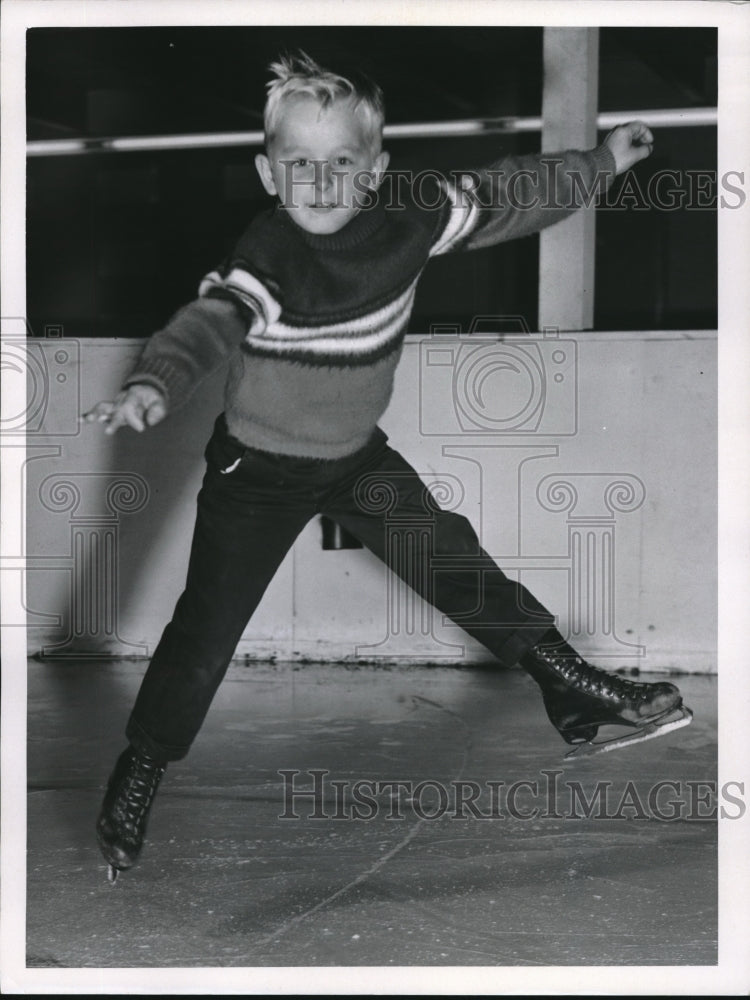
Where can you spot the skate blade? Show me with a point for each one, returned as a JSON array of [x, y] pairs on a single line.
[[652, 730]]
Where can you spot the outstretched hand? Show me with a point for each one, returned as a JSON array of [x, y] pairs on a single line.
[[139, 406], [629, 144]]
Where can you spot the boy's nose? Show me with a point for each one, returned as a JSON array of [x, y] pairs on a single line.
[[323, 175]]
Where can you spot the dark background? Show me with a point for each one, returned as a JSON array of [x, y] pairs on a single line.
[[116, 242]]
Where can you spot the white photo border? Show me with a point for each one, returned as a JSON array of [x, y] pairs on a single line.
[[732, 974]]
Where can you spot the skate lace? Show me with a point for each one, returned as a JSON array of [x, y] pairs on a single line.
[[138, 791], [594, 680]]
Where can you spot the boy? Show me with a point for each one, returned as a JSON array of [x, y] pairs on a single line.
[[311, 310]]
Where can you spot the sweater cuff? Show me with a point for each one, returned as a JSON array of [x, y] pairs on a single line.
[[604, 162], [160, 374]]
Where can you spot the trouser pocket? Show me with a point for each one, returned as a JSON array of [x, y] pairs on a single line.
[[224, 452], [232, 467]]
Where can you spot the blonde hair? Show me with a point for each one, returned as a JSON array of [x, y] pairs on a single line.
[[299, 74]]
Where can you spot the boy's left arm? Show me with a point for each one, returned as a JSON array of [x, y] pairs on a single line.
[[520, 195]]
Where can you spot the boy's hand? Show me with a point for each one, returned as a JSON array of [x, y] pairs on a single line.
[[139, 406], [629, 144]]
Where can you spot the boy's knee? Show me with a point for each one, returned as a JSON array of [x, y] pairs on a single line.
[[454, 535]]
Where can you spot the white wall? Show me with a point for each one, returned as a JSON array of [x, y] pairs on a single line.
[[638, 409]]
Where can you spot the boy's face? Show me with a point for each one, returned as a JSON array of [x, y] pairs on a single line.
[[320, 163]]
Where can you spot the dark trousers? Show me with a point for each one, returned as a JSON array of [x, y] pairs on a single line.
[[251, 507]]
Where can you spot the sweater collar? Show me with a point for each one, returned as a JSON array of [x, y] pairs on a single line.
[[364, 224]]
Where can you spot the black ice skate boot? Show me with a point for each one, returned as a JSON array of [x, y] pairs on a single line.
[[580, 698], [121, 825]]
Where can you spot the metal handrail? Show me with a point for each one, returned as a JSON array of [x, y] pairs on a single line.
[[661, 118]]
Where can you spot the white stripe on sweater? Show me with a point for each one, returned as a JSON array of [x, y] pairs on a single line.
[[249, 290], [358, 337], [381, 318], [462, 219]]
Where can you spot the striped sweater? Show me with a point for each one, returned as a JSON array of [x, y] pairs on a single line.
[[313, 325]]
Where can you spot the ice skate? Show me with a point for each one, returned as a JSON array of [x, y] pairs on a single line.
[[579, 698], [121, 825]]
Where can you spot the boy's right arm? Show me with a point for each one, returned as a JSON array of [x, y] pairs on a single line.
[[175, 360]]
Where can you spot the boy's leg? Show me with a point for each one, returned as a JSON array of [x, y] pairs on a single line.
[[438, 554], [248, 517], [246, 522]]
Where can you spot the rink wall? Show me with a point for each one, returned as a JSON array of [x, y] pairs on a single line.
[[587, 463]]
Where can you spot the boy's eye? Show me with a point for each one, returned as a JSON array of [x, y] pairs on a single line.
[[301, 162], [343, 161]]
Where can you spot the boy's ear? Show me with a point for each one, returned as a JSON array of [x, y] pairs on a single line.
[[381, 165], [263, 166]]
